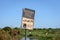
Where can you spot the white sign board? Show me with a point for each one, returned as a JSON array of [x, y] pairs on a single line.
[[28, 18]]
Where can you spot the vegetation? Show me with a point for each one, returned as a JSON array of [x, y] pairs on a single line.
[[8, 33]]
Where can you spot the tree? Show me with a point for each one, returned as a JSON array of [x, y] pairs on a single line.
[[7, 28]]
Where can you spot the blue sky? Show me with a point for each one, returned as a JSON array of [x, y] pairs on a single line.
[[47, 12]]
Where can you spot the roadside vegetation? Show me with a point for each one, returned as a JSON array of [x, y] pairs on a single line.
[[8, 33]]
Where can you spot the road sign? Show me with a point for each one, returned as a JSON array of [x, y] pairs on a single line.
[[28, 18]]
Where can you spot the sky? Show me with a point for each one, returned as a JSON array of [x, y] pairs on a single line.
[[47, 13]]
